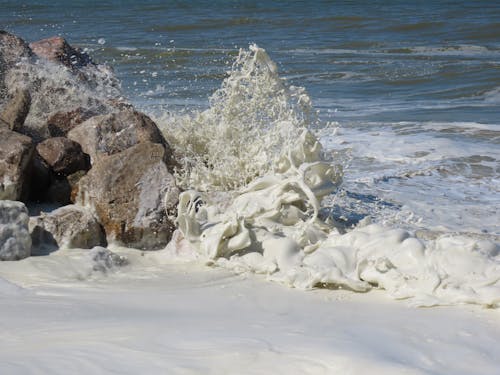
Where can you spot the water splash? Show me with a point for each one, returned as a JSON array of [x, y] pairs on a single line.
[[252, 119], [255, 141]]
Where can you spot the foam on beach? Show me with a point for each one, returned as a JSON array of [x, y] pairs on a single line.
[[256, 176]]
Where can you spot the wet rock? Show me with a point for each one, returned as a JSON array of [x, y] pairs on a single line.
[[63, 156], [57, 49], [55, 87], [16, 152], [48, 187], [55, 161], [105, 260], [131, 192], [15, 240], [66, 227], [116, 132], [60, 123], [16, 110], [12, 51]]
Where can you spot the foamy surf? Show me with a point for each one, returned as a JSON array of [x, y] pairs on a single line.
[[259, 177]]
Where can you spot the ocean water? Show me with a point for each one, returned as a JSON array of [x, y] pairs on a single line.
[[413, 89]]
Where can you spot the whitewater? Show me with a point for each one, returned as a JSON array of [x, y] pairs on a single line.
[[257, 136], [265, 200]]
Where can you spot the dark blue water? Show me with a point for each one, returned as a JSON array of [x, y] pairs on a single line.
[[415, 86], [383, 60]]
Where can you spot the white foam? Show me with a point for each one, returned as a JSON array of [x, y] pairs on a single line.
[[271, 225]]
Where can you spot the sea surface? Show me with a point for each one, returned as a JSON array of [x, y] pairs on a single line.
[[412, 87]]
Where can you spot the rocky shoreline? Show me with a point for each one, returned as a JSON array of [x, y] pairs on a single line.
[[68, 139]]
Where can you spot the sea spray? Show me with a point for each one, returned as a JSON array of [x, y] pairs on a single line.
[[93, 87], [252, 118], [254, 144]]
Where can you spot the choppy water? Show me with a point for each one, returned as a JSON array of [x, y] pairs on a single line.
[[415, 88]]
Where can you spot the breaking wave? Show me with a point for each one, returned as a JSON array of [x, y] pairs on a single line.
[[255, 178]]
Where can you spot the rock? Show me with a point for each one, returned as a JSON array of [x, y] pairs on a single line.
[[16, 152], [57, 166], [60, 123], [58, 192], [53, 86], [66, 227], [56, 49], [15, 240], [63, 156], [48, 187], [40, 179], [12, 50], [130, 192], [16, 110], [105, 260], [116, 132]]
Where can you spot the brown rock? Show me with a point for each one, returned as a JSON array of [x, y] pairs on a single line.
[[56, 49], [116, 132], [63, 156], [60, 123], [16, 110], [16, 152], [67, 227], [130, 192], [48, 187]]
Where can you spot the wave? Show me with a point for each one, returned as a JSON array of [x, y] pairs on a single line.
[[418, 26], [449, 50], [256, 179]]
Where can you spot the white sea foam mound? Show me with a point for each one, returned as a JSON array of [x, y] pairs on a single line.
[[255, 142]]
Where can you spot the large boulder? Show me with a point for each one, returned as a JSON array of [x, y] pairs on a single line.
[[16, 110], [131, 192], [16, 152], [67, 227], [60, 123], [56, 49], [15, 240], [12, 51], [63, 156], [109, 134], [58, 164], [61, 79]]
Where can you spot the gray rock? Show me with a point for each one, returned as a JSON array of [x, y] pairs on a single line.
[[15, 240], [16, 110], [109, 134], [105, 260], [66, 227], [12, 51], [16, 152], [130, 192]]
